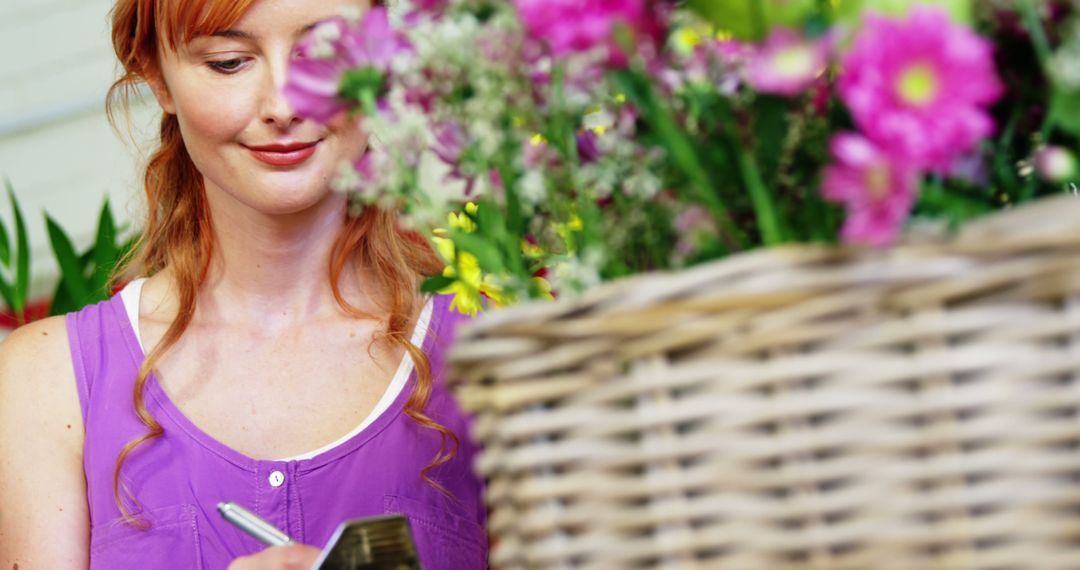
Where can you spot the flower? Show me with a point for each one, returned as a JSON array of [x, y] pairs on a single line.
[[336, 50], [577, 26], [429, 8], [920, 86], [470, 284], [1055, 164], [787, 63], [877, 189]]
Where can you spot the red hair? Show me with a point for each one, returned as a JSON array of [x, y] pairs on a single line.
[[178, 234]]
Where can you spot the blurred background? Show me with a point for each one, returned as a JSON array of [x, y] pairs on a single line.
[[57, 149]]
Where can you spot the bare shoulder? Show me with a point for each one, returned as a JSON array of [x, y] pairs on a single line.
[[44, 521], [37, 377], [37, 351], [49, 335]]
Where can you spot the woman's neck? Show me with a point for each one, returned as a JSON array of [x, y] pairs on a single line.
[[272, 271]]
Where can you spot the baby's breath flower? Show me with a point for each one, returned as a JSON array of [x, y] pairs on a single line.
[[346, 178]]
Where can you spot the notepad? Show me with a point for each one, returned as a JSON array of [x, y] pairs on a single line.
[[372, 543]]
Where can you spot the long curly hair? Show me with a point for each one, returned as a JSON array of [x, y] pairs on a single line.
[[177, 232]]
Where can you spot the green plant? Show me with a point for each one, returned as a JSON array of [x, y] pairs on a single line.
[[14, 263], [84, 277]]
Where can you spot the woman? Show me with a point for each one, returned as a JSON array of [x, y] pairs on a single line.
[[276, 355]]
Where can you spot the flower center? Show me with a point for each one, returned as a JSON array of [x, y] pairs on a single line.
[[794, 61], [918, 85], [877, 181]]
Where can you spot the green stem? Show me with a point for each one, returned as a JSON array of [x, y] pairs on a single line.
[[1044, 53], [764, 209], [683, 154], [1035, 30]]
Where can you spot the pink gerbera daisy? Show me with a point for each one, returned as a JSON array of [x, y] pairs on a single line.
[[920, 86], [787, 63], [877, 189]]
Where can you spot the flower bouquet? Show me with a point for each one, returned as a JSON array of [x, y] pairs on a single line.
[[546, 146], [905, 401]]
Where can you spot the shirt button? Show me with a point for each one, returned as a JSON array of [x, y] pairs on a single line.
[[276, 478]]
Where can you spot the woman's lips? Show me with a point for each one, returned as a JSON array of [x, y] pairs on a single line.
[[284, 154]]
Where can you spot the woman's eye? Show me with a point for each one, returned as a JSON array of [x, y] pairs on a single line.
[[226, 65]]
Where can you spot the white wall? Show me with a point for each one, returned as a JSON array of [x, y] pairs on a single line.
[[56, 145]]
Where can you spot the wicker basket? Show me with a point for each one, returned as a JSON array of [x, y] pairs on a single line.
[[799, 408]]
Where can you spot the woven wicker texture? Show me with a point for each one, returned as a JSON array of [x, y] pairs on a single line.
[[795, 408]]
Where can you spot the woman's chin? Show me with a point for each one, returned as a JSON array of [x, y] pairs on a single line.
[[296, 203]]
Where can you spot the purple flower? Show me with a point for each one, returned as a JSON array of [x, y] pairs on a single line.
[[313, 85], [575, 26], [920, 86], [430, 8], [450, 142], [877, 189], [588, 146], [787, 63]]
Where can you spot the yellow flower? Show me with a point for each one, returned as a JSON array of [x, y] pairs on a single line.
[[459, 221], [686, 39], [471, 284], [545, 288], [531, 250], [566, 230]]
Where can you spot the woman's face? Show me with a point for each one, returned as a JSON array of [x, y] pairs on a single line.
[[241, 133]]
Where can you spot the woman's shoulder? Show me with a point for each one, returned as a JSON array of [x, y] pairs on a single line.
[[37, 378], [34, 347]]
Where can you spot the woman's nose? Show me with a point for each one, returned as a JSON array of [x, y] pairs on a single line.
[[276, 109]]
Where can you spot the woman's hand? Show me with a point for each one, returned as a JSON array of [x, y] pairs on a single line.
[[288, 557]]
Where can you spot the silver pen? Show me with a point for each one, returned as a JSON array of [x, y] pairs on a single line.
[[252, 524]]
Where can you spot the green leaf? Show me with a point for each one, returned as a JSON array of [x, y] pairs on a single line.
[[768, 220], [751, 19], [71, 267], [22, 256], [62, 302], [851, 11], [5, 246], [362, 85], [487, 254], [7, 292], [771, 116], [681, 149], [1066, 110], [436, 283], [489, 220], [105, 251]]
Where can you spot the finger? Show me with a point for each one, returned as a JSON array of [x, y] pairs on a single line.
[[298, 556], [242, 563], [289, 557]]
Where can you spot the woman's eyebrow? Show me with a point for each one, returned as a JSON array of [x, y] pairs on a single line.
[[237, 34], [241, 34]]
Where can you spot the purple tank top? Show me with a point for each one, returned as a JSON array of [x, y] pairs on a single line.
[[180, 477]]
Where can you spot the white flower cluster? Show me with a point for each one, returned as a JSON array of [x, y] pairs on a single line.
[[576, 273], [326, 35], [1065, 64], [452, 52]]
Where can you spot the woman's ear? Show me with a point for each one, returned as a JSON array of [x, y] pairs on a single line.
[[161, 93]]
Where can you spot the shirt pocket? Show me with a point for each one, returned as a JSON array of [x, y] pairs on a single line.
[[444, 540], [172, 541]]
